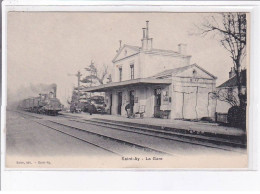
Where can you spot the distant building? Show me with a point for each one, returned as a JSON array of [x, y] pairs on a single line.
[[159, 80], [229, 89]]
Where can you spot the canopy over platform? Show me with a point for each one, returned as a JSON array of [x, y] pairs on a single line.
[[128, 83]]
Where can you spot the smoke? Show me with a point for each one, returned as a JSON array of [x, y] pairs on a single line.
[[33, 90], [42, 88]]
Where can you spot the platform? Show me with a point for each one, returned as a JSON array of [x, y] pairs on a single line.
[[192, 126]]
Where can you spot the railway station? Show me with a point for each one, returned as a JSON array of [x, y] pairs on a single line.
[[95, 131], [158, 83]]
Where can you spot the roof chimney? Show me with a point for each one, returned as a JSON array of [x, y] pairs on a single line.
[[232, 72], [120, 45], [146, 41], [182, 49], [143, 32], [147, 29]]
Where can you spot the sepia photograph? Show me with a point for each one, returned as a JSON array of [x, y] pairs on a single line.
[[127, 90]]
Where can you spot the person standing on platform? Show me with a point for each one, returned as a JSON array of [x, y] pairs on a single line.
[[127, 109]]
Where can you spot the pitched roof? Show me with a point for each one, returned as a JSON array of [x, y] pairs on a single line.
[[181, 69], [135, 48], [161, 51], [172, 71], [151, 51], [232, 82]]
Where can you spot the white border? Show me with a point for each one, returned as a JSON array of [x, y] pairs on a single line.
[[111, 179]]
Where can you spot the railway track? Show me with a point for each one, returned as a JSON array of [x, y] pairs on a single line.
[[104, 142], [210, 141], [216, 143], [79, 138], [28, 114]]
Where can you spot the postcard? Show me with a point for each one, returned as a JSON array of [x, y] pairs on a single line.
[[127, 90]]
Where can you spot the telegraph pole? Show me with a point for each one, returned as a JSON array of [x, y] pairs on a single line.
[[78, 75], [92, 74]]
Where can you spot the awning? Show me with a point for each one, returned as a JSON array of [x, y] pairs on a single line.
[[128, 83]]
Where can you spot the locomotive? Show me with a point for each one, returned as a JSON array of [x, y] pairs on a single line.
[[43, 104]]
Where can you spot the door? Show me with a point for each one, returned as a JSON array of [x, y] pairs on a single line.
[[110, 109], [119, 103], [157, 102], [132, 101]]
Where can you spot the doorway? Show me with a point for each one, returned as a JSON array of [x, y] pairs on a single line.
[[119, 103], [132, 101], [110, 109], [157, 101]]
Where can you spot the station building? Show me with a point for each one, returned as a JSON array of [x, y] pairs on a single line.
[[158, 81]]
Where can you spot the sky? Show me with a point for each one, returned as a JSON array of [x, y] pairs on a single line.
[[45, 47]]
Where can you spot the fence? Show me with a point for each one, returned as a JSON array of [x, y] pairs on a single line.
[[221, 117]]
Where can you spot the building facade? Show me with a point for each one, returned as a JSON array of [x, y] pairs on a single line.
[[158, 82], [228, 92]]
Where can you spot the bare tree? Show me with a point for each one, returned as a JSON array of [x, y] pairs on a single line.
[[96, 76], [225, 96], [230, 29]]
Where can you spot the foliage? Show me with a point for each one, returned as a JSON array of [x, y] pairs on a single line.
[[237, 117], [96, 76], [75, 98], [231, 31]]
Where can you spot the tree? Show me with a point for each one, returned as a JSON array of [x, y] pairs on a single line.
[[75, 103], [95, 76], [225, 96], [230, 29]]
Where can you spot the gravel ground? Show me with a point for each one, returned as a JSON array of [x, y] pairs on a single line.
[[109, 144], [25, 137], [27, 140]]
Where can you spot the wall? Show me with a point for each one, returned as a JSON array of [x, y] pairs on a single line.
[[147, 65], [125, 64], [205, 107], [114, 102], [149, 109], [222, 107], [196, 103], [152, 64]]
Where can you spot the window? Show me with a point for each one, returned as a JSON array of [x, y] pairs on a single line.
[[132, 71], [120, 74]]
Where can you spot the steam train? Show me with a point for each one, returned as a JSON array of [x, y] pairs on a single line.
[[43, 104]]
